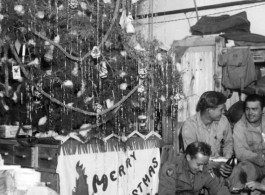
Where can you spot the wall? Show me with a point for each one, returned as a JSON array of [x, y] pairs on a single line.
[[176, 27]]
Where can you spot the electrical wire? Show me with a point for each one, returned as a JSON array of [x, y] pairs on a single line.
[[204, 15]]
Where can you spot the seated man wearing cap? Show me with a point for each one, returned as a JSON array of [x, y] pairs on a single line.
[[189, 173], [210, 126]]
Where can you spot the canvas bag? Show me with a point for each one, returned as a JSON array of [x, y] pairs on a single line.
[[238, 68]]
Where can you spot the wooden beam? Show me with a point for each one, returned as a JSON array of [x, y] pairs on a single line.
[[197, 41], [215, 6]]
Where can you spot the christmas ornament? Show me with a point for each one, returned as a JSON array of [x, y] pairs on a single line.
[[75, 70], [142, 73], [103, 71], [123, 53], [107, 1], [129, 27], [82, 90], [16, 72], [35, 63], [57, 39], [49, 54], [123, 137], [141, 89], [97, 107], [95, 53], [108, 44], [70, 104], [81, 13], [1, 17], [163, 98], [23, 53], [123, 19], [15, 98], [68, 83], [17, 45], [142, 118], [73, 4], [176, 99], [36, 94], [42, 121], [122, 74], [139, 48], [83, 5], [142, 126], [86, 128], [40, 14], [19, 9], [159, 57], [61, 7], [32, 42], [109, 103], [123, 86], [48, 72], [88, 99]]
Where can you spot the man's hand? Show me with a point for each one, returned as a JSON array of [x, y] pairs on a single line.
[[253, 185], [225, 170]]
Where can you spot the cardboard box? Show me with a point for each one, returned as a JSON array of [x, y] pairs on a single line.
[[8, 131]]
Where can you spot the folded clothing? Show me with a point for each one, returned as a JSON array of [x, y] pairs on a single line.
[[221, 24]]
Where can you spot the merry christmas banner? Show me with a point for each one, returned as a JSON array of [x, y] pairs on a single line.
[[130, 172]]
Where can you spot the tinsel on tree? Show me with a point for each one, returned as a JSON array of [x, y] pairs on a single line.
[[82, 66]]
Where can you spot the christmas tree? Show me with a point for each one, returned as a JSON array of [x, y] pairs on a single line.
[[78, 64]]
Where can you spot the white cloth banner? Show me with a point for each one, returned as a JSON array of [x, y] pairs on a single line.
[[131, 172]]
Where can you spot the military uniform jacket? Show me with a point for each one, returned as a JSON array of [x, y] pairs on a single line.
[[175, 179]]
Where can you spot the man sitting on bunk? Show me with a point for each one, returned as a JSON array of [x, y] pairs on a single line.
[[210, 126]]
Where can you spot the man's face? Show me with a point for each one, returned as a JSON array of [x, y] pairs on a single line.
[[216, 113], [198, 163], [253, 112]]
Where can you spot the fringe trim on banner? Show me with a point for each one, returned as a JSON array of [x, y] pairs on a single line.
[[72, 147]]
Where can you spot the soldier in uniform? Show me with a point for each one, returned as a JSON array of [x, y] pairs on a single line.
[[188, 173]]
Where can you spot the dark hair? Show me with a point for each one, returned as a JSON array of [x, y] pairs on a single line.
[[198, 147], [210, 99], [254, 98]]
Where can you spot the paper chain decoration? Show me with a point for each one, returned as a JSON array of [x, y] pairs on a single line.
[[135, 132]]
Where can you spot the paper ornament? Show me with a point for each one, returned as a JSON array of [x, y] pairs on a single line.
[[16, 72]]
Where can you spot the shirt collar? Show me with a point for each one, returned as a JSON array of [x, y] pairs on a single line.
[[199, 120]]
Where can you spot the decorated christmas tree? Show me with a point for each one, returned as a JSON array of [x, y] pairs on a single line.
[[78, 64]]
